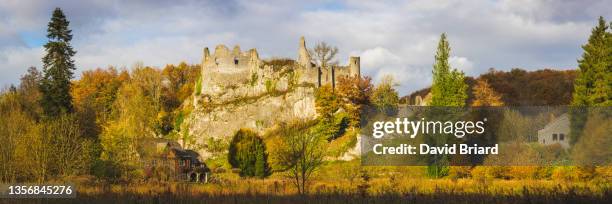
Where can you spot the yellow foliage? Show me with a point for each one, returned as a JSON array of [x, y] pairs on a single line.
[[484, 95], [523, 172]]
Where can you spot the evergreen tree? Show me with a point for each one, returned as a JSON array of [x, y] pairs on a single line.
[[262, 169], [58, 66], [592, 86], [449, 87], [248, 153], [448, 90]]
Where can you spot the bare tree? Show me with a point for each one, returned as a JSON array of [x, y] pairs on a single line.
[[324, 54], [302, 154]]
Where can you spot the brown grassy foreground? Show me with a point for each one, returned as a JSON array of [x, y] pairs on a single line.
[[379, 190]]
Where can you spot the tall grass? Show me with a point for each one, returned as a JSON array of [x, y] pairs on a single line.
[[231, 189]]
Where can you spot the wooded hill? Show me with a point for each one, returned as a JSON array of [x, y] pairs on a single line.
[[519, 87]]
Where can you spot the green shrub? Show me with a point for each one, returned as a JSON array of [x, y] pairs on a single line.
[[247, 152], [334, 128]]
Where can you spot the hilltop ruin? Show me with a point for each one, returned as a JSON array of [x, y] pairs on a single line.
[[239, 90], [234, 68]]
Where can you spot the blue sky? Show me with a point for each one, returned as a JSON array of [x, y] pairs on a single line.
[[392, 37]]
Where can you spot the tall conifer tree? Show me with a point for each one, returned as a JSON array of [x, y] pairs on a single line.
[[449, 87], [592, 86], [58, 66], [448, 90]]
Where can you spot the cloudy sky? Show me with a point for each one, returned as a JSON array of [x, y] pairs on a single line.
[[392, 37]]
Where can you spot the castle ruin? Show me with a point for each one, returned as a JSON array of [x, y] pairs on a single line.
[[233, 69], [238, 90]]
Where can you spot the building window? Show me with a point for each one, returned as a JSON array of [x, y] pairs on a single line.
[[561, 137], [554, 137], [181, 162], [235, 61]]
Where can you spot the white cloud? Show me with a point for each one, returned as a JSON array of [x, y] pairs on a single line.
[[461, 63], [379, 57], [16, 60], [392, 37]]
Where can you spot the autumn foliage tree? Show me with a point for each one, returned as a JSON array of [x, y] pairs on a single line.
[[97, 89], [134, 119], [177, 87], [384, 96], [301, 154], [94, 95], [354, 93], [29, 93], [484, 95], [326, 102], [519, 87], [40, 150]]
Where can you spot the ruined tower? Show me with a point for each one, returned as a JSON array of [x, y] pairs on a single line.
[[226, 68], [303, 55], [354, 66]]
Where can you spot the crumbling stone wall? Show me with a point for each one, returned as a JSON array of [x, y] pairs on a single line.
[[240, 90], [225, 69]]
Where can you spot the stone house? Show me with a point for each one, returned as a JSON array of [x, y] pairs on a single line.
[[169, 161], [556, 132]]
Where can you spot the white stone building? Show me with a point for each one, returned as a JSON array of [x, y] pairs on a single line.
[[556, 132]]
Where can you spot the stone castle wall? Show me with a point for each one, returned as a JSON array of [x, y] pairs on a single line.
[[231, 74]]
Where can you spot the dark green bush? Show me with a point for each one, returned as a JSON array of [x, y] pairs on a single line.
[[247, 152]]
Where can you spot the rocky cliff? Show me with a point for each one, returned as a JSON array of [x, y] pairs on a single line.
[[270, 96]]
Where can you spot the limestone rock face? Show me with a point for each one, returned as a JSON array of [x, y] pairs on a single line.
[[259, 114]]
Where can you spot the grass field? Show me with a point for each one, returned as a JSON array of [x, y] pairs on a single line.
[[411, 190], [335, 185]]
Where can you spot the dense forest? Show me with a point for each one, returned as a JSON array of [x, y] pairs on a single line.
[[519, 87]]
